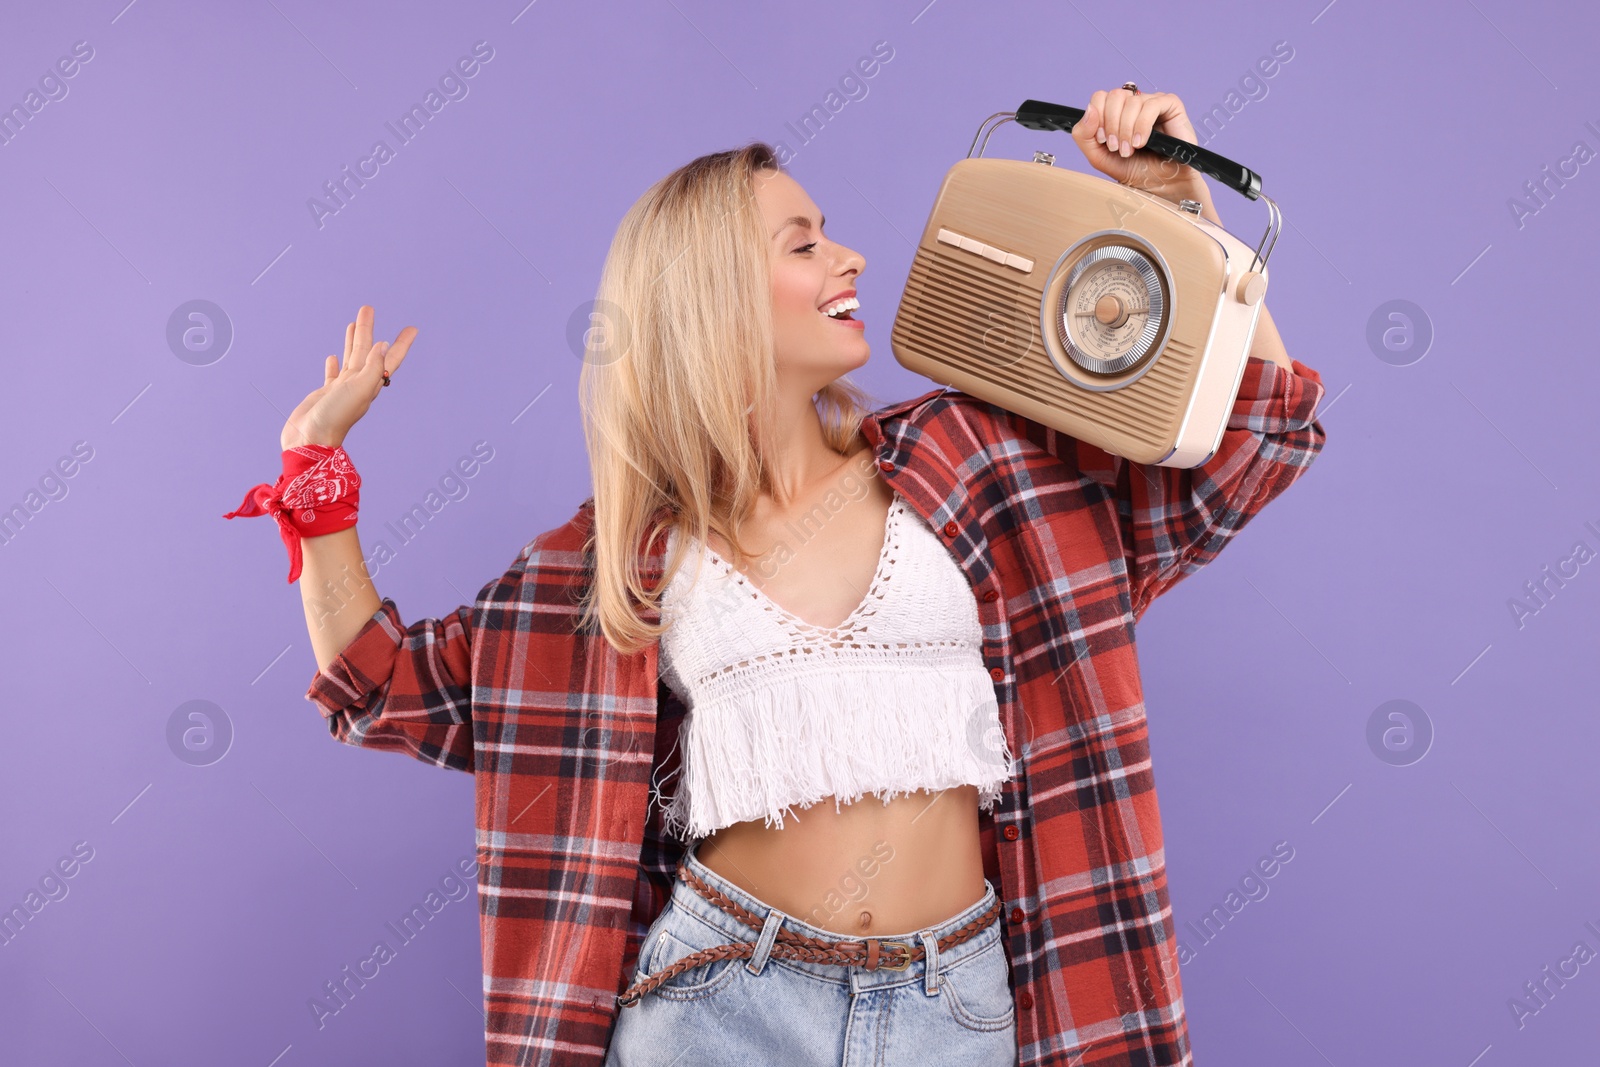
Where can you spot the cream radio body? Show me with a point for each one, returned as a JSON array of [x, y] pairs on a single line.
[[1107, 313]]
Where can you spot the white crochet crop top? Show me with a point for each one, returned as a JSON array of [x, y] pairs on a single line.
[[782, 713]]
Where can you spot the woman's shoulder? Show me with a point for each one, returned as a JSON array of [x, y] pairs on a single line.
[[949, 407], [569, 536]]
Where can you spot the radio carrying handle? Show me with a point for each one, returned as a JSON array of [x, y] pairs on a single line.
[[1040, 115]]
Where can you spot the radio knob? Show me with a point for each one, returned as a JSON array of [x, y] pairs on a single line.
[[1252, 286], [1109, 311]]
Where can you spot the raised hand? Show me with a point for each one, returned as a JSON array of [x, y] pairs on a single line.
[[325, 416]]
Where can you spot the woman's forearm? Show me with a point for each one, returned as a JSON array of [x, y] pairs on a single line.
[[336, 592], [1266, 345]]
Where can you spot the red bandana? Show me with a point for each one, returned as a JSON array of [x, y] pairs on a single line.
[[316, 494]]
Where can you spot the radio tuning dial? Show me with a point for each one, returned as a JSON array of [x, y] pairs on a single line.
[[1112, 308]]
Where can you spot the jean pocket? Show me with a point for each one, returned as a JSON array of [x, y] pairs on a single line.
[[977, 990], [681, 935]]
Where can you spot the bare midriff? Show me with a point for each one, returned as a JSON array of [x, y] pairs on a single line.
[[868, 869]]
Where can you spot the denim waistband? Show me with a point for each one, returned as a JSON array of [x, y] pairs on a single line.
[[685, 898]]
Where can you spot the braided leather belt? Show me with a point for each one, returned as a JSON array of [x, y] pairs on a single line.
[[871, 953]]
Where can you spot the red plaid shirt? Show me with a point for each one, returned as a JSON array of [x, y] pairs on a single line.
[[1065, 547]]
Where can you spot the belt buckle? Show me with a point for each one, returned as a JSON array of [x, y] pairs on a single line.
[[903, 964]]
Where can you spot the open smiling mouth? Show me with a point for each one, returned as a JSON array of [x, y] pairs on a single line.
[[842, 309]]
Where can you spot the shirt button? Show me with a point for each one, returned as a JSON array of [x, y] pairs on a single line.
[[1016, 915], [1010, 832], [997, 674], [1025, 1000], [951, 529], [990, 596], [886, 465]]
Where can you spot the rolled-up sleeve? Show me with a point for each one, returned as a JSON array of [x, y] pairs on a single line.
[[1175, 520], [403, 688]]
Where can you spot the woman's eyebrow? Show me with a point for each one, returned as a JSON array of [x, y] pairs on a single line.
[[799, 220]]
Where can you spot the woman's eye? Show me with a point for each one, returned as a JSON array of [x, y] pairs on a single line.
[[806, 248]]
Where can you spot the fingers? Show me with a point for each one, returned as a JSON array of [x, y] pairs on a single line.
[[1087, 130], [1118, 123], [363, 336], [1149, 113], [1097, 101], [375, 356], [330, 369], [1137, 118], [1125, 118], [1083, 131], [1128, 119], [396, 353], [1116, 102], [361, 354]]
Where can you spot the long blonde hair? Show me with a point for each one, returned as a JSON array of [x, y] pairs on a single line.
[[678, 389]]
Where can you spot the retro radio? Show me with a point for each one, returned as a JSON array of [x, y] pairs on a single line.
[[1107, 313]]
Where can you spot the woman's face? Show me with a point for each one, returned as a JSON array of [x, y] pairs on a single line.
[[809, 273]]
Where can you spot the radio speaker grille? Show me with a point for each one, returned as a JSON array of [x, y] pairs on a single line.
[[965, 318]]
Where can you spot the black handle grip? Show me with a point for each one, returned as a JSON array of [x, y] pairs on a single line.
[[1039, 115]]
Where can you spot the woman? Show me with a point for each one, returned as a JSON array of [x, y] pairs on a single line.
[[873, 609]]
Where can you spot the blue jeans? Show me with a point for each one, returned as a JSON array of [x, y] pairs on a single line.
[[950, 1008]]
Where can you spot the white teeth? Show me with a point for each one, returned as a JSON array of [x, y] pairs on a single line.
[[849, 303]]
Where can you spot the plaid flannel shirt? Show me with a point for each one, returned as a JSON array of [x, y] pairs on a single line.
[[1065, 547]]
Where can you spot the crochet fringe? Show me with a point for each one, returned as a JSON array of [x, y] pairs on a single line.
[[841, 733]]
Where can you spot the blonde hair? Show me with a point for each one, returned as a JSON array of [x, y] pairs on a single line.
[[678, 388]]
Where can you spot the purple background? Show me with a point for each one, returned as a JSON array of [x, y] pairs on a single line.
[[179, 166]]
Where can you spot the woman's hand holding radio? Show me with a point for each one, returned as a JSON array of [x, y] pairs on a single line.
[[327, 413], [1114, 126]]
